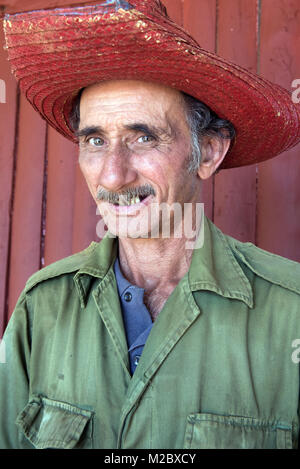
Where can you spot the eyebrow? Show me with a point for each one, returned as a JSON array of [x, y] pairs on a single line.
[[86, 131], [145, 128], [136, 127]]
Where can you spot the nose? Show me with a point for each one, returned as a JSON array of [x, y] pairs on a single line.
[[117, 171]]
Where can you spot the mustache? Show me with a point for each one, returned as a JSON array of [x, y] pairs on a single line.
[[130, 193]]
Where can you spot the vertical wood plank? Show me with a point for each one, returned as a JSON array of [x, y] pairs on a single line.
[[62, 155], [235, 189], [200, 21], [27, 206], [175, 10], [85, 217], [8, 114], [278, 220]]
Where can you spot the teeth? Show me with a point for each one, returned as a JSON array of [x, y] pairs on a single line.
[[131, 201]]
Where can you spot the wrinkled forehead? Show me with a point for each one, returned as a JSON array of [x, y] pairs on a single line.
[[130, 97]]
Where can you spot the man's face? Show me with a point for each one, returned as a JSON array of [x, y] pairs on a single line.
[[134, 137]]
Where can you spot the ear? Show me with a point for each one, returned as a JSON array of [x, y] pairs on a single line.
[[213, 150]]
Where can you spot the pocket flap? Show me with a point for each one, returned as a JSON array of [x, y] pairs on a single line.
[[52, 424], [212, 431]]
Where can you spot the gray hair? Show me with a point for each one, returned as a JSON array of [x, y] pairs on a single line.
[[201, 120]]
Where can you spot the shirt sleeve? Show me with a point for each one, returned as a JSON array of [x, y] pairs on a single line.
[[14, 382]]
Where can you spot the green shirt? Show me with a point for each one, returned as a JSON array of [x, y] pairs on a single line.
[[218, 369]]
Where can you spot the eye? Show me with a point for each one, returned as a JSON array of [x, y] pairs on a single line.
[[145, 139], [95, 141]]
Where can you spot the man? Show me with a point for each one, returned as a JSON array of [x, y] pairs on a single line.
[[135, 135], [146, 340]]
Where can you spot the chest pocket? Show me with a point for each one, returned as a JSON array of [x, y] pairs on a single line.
[[210, 431], [49, 424]]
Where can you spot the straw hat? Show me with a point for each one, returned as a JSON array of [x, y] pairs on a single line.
[[54, 53]]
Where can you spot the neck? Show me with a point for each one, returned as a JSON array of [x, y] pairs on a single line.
[[149, 263], [156, 265]]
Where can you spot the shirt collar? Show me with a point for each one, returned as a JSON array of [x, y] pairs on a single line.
[[213, 267], [97, 265]]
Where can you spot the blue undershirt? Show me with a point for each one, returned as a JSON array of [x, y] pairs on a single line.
[[136, 317]]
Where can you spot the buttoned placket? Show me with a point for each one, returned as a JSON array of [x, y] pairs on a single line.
[[136, 317], [166, 332], [137, 322]]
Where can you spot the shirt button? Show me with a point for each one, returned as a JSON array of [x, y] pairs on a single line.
[[136, 360], [128, 297]]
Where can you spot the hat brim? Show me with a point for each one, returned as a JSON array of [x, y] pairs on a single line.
[[54, 55]]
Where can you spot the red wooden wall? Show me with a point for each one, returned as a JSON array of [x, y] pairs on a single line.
[[46, 212]]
